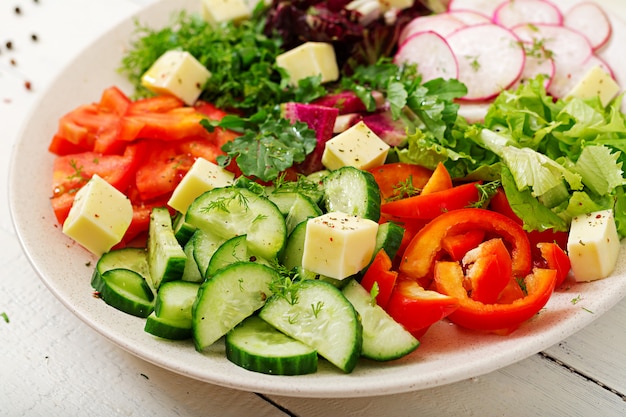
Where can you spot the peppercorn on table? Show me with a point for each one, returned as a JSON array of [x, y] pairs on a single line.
[[53, 364]]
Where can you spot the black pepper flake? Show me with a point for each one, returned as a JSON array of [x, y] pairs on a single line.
[[9, 45], [13, 62], [34, 37], [18, 10]]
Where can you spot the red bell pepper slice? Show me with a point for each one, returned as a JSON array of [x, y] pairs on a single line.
[[456, 246], [419, 257], [496, 317], [390, 178], [379, 273], [488, 270], [556, 258], [432, 205], [440, 180], [416, 308]]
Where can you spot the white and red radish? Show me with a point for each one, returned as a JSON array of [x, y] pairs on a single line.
[[432, 55], [590, 20], [442, 24], [511, 13], [498, 44], [490, 58]]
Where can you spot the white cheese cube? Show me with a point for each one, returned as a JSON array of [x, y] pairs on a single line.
[[177, 73], [99, 217], [308, 60], [338, 245], [593, 245], [203, 176], [596, 82], [358, 147], [223, 11]]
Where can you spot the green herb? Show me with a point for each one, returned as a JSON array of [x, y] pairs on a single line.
[[576, 299], [486, 192], [522, 284], [374, 293], [5, 316], [268, 146], [404, 189], [317, 308]]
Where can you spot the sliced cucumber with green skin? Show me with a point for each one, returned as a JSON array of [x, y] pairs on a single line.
[[231, 211], [303, 208], [352, 191], [126, 291], [231, 251], [166, 257], [255, 345], [167, 328], [182, 230], [231, 295], [319, 315], [175, 300], [191, 273], [204, 246], [389, 237], [135, 259], [384, 339]]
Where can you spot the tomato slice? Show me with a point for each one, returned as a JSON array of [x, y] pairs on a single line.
[[391, 177], [496, 317], [416, 308], [379, 273]]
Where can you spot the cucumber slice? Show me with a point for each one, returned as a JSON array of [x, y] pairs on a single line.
[[389, 237], [319, 315], [352, 191], [191, 273], [231, 211], [232, 294], [204, 246], [182, 230], [166, 258], [255, 345], [175, 299], [135, 259], [384, 339], [167, 328], [231, 251], [126, 291], [303, 208]]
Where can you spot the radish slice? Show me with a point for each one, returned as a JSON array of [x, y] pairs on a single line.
[[590, 20], [442, 24], [469, 17], [484, 7], [537, 62], [511, 13], [568, 48], [489, 57], [431, 53]]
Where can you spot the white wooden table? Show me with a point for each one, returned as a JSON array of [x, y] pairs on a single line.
[[52, 364]]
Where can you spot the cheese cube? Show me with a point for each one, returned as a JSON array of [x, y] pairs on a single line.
[[596, 82], [201, 177], [223, 11], [593, 245], [308, 60], [177, 73], [358, 147], [338, 245], [99, 217]]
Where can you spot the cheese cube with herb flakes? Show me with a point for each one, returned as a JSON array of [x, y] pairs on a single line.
[[358, 146], [308, 60], [596, 82], [203, 176], [338, 245], [216, 12], [177, 73], [99, 217], [593, 245]]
